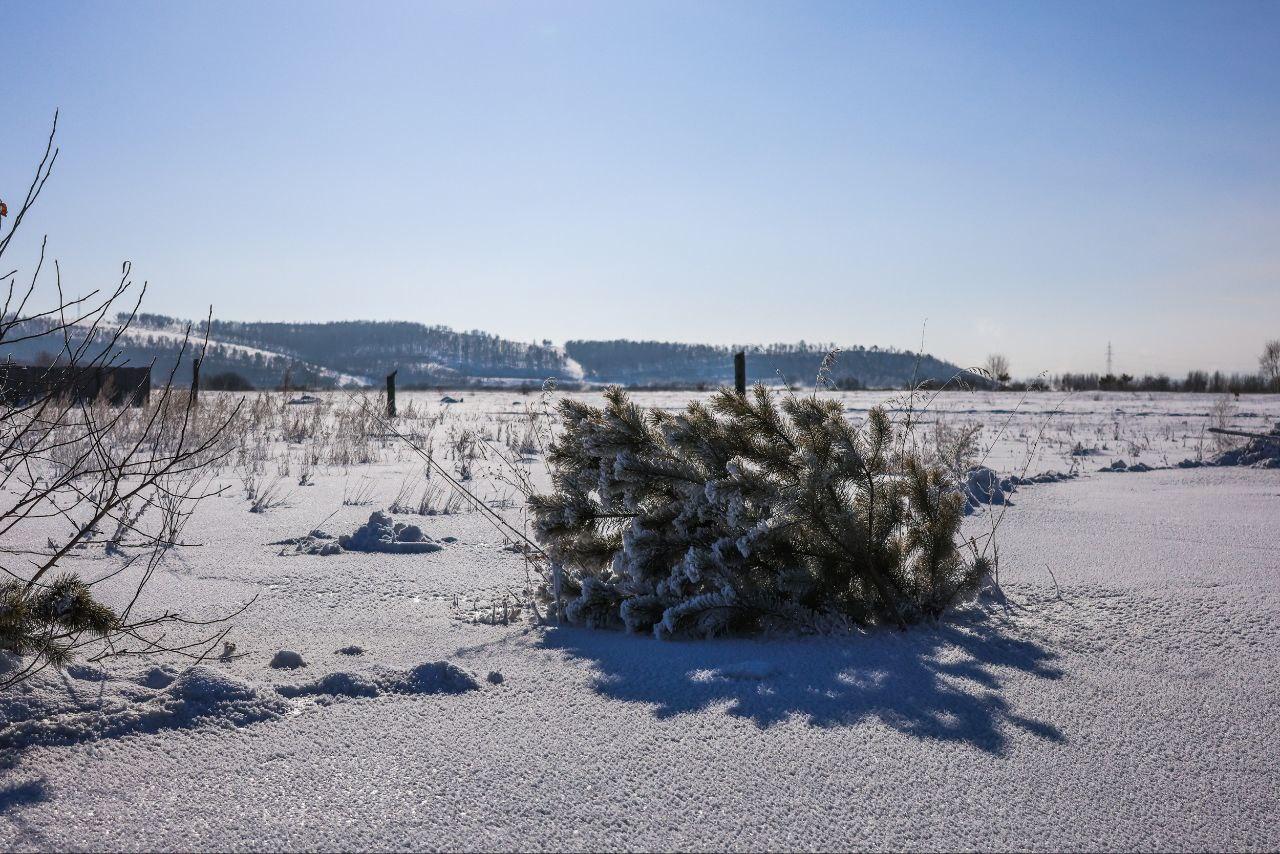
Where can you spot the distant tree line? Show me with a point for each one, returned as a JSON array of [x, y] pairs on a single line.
[[1195, 381], [319, 354], [1267, 380], [654, 363]]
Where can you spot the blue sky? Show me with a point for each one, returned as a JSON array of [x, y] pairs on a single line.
[[1031, 178]]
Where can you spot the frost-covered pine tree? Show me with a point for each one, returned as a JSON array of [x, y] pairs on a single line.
[[748, 513]]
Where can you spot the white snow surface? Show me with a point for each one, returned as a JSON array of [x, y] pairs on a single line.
[[1126, 699]]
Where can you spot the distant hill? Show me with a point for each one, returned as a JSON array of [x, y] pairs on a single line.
[[660, 362], [346, 353], [423, 355], [362, 352], [162, 346]]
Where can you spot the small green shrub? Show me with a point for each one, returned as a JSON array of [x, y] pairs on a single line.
[[748, 513], [48, 621]]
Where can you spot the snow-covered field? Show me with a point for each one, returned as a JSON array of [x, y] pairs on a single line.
[[1126, 696]]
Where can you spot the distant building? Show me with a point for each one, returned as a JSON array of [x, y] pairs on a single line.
[[22, 383]]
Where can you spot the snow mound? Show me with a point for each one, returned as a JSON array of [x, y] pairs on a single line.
[[287, 659], [205, 687], [87, 672], [339, 684], [158, 678], [382, 534], [432, 677], [1263, 453], [1121, 466], [201, 697], [983, 486], [1045, 477]]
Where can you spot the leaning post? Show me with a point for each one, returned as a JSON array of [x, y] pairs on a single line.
[[391, 394], [740, 372]]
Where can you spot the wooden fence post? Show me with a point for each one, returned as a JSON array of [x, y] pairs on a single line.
[[740, 372], [195, 381], [391, 394]]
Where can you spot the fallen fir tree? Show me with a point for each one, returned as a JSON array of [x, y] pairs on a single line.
[[750, 513]]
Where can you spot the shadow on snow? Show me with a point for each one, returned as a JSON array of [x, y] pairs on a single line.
[[940, 682], [13, 795]]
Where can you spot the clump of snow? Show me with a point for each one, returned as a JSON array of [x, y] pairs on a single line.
[[206, 686], [339, 684], [287, 659], [1044, 477], [158, 677], [742, 671], [382, 534], [983, 486], [1121, 466], [433, 677], [315, 543], [409, 533]]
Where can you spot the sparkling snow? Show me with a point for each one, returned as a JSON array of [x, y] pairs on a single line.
[[1126, 698]]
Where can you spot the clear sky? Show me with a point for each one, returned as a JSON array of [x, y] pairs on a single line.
[[1035, 178]]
